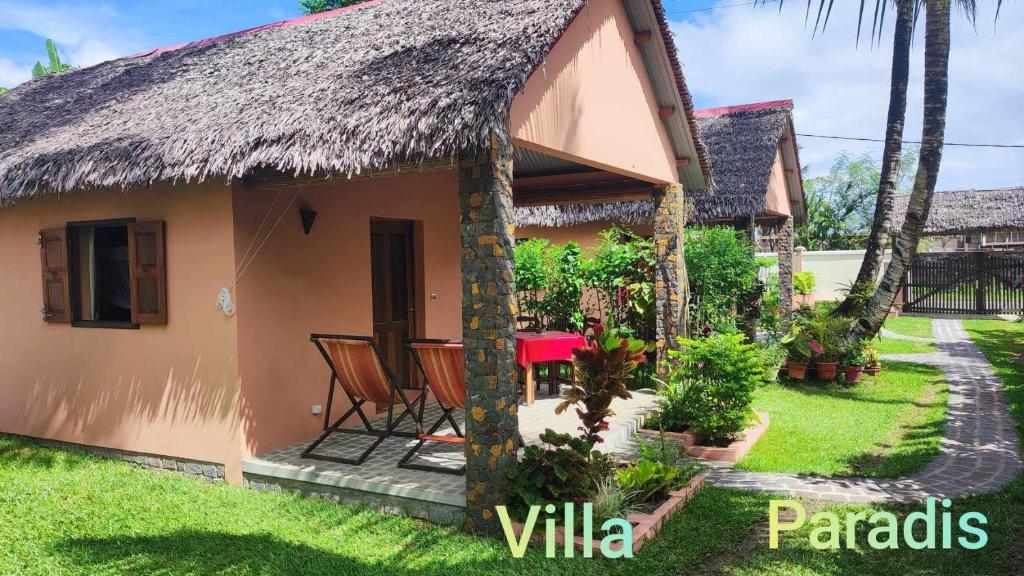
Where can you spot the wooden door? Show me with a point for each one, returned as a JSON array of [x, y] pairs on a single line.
[[392, 255]]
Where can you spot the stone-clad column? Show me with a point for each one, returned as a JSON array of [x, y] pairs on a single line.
[[670, 282], [488, 330], [785, 244]]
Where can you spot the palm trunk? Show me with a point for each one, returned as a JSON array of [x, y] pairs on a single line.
[[890, 156], [936, 84]]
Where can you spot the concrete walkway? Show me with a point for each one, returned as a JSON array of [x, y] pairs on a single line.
[[979, 453], [896, 336]]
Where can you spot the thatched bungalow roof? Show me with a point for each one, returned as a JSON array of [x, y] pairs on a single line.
[[354, 89], [742, 142], [956, 212]]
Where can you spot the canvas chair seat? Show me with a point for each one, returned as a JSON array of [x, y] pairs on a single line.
[[442, 364], [358, 368]]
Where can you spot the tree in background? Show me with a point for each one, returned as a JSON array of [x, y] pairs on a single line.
[[55, 65], [315, 6], [841, 204], [3, 91]]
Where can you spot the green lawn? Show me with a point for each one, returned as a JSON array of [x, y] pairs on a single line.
[[919, 326], [896, 346], [67, 513], [884, 427]]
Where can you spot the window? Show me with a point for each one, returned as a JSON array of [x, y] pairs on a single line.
[[107, 274]]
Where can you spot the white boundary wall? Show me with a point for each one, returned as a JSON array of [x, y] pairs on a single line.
[[833, 269]]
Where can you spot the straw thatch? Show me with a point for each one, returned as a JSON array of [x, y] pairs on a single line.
[[957, 212], [742, 142], [385, 82]]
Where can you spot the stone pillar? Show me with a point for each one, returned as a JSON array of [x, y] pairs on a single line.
[[786, 270], [670, 283], [488, 330]]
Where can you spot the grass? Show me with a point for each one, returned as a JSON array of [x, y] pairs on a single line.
[[919, 326], [68, 513], [885, 427], [896, 346]]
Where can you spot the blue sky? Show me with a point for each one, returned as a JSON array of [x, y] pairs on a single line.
[[732, 55]]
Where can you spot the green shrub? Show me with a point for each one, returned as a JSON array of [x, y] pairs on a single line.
[[660, 450], [709, 386], [804, 283], [773, 356], [565, 470], [721, 269], [647, 479], [610, 500], [771, 307]]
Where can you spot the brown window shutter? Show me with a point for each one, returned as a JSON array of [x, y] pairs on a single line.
[[53, 244], [148, 272]]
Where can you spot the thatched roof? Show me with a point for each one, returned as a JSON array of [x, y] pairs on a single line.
[[354, 89], [957, 212], [742, 142]]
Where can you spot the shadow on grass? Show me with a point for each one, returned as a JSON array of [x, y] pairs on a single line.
[[211, 552]]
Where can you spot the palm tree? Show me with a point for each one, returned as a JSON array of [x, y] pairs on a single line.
[[936, 85], [891, 155]]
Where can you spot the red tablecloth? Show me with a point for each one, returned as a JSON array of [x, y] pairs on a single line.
[[549, 346]]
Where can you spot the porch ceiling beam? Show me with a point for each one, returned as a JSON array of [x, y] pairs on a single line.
[[584, 194]]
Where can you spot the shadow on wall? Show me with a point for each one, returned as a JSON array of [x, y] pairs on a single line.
[[107, 413]]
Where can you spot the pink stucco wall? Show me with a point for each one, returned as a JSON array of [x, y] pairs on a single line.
[[302, 284], [778, 189], [591, 101], [169, 390]]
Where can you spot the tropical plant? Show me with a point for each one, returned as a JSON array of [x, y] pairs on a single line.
[[315, 6], [770, 318], [708, 386], [561, 306], [54, 63], [622, 274], [647, 478], [659, 450], [854, 354], [610, 500], [804, 283], [603, 367], [772, 356], [827, 336], [721, 270], [797, 343], [872, 357], [564, 470]]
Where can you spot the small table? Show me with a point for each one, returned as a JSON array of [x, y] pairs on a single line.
[[548, 347]]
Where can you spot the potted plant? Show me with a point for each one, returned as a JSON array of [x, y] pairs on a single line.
[[826, 333], [798, 352], [854, 361], [872, 360]]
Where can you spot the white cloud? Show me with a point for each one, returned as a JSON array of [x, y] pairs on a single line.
[[736, 56], [86, 34], [11, 74]]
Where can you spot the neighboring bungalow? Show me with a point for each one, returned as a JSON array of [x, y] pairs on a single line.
[[971, 220], [349, 172], [758, 188]]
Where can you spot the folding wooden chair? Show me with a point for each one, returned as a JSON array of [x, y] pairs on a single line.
[[442, 364], [358, 368]]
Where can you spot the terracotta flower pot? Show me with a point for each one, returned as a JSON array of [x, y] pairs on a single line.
[[853, 373], [872, 370], [796, 370], [827, 370]]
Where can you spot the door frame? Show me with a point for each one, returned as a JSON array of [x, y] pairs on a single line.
[[418, 275]]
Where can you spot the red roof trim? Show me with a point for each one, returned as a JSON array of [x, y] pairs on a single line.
[[281, 24], [723, 110]]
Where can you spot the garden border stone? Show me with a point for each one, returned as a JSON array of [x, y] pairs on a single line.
[[732, 453]]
